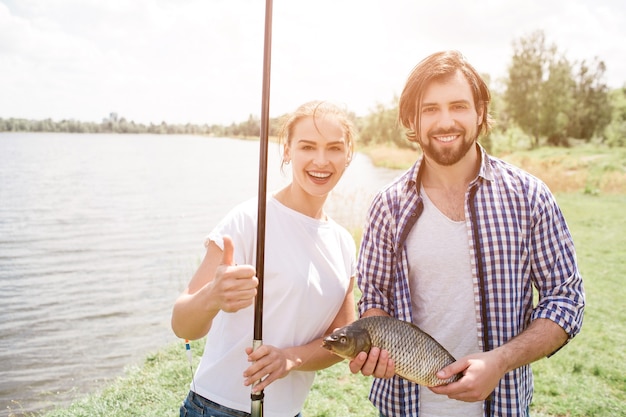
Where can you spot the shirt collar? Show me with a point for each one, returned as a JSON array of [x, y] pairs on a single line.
[[484, 173]]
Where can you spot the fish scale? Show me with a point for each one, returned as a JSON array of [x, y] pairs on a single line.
[[417, 356]]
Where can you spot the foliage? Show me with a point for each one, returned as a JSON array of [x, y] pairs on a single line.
[[115, 124], [525, 75], [592, 108], [381, 126], [546, 100], [615, 132]]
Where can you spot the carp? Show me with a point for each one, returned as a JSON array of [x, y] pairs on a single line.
[[417, 356]]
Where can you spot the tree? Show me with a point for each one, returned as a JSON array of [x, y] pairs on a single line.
[[539, 91], [615, 132], [592, 109], [546, 99], [381, 126], [525, 77], [556, 101]]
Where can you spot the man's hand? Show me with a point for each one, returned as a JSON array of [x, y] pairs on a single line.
[[481, 374], [376, 364]]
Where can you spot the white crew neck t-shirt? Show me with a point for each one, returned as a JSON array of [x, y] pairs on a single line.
[[442, 297], [308, 266]]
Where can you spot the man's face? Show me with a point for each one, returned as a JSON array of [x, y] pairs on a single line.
[[449, 120]]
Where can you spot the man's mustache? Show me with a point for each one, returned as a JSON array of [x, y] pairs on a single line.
[[453, 131]]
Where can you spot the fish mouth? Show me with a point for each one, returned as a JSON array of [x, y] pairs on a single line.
[[330, 342], [327, 343]]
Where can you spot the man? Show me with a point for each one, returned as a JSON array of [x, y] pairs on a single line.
[[456, 246]]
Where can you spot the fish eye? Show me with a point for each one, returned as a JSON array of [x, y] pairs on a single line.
[[343, 339]]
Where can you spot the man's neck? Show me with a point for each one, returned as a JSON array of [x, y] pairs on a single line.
[[452, 177]]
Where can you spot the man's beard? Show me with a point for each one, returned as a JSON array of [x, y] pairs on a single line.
[[449, 156]]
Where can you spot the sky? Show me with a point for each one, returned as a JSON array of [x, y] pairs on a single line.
[[201, 61]]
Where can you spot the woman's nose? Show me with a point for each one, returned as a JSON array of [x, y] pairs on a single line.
[[320, 158]]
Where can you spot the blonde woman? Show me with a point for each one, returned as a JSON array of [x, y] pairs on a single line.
[[309, 273]]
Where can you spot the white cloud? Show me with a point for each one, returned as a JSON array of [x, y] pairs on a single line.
[[200, 61]]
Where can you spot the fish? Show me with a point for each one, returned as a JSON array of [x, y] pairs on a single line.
[[417, 356]]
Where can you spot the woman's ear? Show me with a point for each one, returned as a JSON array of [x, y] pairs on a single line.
[[286, 155]]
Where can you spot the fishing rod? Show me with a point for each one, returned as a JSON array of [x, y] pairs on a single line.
[[190, 360], [257, 398]]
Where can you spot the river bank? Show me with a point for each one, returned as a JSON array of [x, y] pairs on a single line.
[[99, 235], [584, 379], [590, 179]]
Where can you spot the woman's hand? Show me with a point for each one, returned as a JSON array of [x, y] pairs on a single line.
[[269, 363], [234, 286]]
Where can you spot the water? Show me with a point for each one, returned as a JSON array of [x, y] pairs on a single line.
[[98, 236]]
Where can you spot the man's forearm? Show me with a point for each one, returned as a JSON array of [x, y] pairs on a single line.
[[540, 339]]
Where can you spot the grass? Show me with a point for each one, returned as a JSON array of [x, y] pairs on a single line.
[[587, 168], [591, 169], [392, 157], [587, 378], [155, 389]]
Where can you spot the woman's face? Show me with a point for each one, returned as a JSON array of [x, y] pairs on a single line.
[[318, 153]]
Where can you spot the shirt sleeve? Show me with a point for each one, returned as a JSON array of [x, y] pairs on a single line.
[[375, 264], [554, 269]]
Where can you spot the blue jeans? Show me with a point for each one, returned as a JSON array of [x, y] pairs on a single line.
[[197, 406]]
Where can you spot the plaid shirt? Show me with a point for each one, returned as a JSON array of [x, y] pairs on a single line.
[[518, 241]]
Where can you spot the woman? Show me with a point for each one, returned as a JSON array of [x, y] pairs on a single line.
[[309, 271]]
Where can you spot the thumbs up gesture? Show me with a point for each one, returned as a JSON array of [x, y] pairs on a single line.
[[234, 286]]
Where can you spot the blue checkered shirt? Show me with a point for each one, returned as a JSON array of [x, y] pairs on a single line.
[[519, 242]]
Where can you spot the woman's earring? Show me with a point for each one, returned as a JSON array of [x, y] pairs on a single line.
[[287, 161]]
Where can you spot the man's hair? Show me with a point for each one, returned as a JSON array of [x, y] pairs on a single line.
[[436, 67]]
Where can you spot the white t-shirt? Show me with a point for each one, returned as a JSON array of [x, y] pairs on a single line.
[[442, 297], [308, 266]]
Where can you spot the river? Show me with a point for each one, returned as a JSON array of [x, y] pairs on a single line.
[[100, 233]]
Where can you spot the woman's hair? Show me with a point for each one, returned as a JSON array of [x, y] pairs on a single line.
[[437, 67], [316, 109]]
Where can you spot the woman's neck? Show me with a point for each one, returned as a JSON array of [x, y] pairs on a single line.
[[296, 199]]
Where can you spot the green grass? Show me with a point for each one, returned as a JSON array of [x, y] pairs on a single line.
[[592, 169], [588, 168], [586, 378], [155, 389]]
